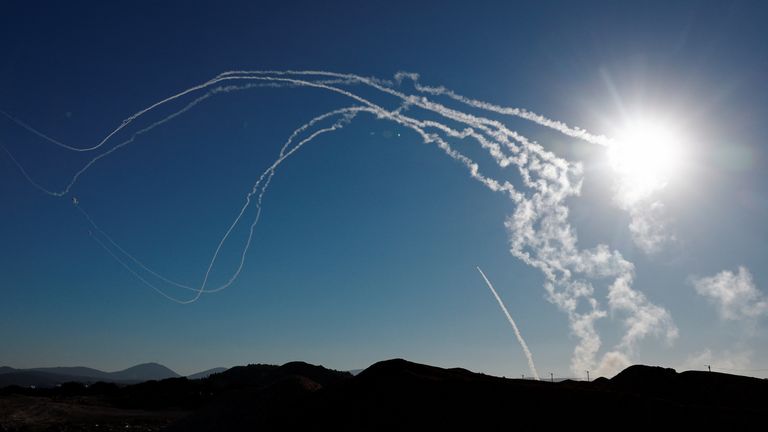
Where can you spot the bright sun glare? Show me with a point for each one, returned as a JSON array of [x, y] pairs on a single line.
[[646, 155]]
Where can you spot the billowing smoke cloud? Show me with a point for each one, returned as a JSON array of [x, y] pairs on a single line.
[[523, 345], [648, 216], [612, 363], [539, 231], [648, 226], [734, 294]]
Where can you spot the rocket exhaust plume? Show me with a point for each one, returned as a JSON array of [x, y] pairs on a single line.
[[520, 339]]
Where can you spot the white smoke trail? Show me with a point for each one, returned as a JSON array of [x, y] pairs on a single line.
[[517, 112], [266, 174], [35, 131], [258, 185], [380, 112], [539, 232], [519, 336], [76, 176]]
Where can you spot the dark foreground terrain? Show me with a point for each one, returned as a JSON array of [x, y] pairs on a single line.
[[391, 395]]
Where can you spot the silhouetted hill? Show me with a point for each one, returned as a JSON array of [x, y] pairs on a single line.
[[240, 390], [694, 387], [242, 376], [398, 394], [641, 375], [318, 374], [399, 369], [206, 373]]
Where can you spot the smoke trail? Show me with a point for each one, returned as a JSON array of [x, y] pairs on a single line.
[[35, 131], [517, 112], [520, 339], [268, 173], [256, 187], [76, 176], [539, 231]]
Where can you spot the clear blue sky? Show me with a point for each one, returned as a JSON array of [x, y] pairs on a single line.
[[369, 239]]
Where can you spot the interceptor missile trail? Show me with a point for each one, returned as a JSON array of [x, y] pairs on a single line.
[[520, 339]]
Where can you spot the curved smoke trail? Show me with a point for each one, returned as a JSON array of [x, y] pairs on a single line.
[[539, 231]]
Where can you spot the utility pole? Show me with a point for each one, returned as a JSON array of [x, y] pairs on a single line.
[[709, 368], [552, 377], [587, 376]]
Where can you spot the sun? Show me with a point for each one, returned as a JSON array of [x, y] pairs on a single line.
[[645, 155]]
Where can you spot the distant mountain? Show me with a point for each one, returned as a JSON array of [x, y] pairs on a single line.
[[52, 376], [76, 371], [31, 378], [206, 373], [144, 372]]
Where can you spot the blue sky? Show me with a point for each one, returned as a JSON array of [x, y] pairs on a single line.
[[369, 238]]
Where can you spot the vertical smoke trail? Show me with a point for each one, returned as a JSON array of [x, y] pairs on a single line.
[[520, 339]]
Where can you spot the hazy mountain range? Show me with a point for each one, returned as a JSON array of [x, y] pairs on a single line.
[[52, 376]]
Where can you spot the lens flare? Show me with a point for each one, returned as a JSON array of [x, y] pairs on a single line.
[[646, 155]]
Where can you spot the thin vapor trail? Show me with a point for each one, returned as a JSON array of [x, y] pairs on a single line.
[[76, 176], [268, 173], [519, 336], [36, 132]]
